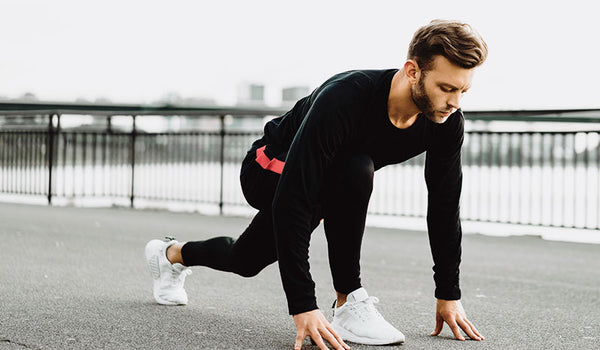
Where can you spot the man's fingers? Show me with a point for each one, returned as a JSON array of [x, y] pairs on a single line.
[[467, 328], [299, 339], [439, 324], [318, 340], [337, 337], [474, 329], [331, 339], [314, 325], [455, 329]]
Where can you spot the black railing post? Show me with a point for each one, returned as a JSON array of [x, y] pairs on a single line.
[[109, 124], [133, 137], [222, 162], [50, 152]]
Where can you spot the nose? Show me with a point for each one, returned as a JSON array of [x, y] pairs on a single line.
[[454, 101]]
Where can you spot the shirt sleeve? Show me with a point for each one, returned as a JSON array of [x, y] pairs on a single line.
[[327, 126], [443, 175]]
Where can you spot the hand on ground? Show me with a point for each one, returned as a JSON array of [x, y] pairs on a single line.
[[313, 324], [452, 312]]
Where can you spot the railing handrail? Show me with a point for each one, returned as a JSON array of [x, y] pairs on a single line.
[[531, 165], [539, 115], [583, 115], [32, 108]]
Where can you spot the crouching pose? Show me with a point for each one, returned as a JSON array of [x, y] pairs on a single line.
[[318, 161]]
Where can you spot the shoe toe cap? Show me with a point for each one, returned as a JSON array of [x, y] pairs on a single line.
[[385, 334]]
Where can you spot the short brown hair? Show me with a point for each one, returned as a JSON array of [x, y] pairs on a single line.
[[456, 41]]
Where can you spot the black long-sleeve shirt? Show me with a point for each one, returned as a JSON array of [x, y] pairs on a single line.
[[349, 112]]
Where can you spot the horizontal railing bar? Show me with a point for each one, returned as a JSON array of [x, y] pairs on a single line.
[[124, 133], [32, 109], [97, 109], [512, 132], [250, 133], [566, 116]]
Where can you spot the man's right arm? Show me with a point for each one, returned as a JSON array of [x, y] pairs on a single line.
[[328, 124]]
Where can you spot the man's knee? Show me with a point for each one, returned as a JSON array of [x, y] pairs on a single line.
[[246, 270]]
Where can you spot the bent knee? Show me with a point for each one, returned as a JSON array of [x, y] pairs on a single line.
[[246, 272]]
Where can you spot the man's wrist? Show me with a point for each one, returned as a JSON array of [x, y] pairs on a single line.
[[452, 293], [299, 308]]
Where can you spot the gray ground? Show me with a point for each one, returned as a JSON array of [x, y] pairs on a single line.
[[76, 278]]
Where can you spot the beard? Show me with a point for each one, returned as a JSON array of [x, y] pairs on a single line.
[[421, 99]]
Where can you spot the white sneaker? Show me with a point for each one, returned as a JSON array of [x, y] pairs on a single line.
[[358, 321], [168, 278]]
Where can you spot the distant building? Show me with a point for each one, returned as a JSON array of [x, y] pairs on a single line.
[[102, 101], [27, 97], [251, 94], [175, 99], [199, 101], [290, 95]]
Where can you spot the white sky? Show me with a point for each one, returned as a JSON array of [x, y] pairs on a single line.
[[543, 54]]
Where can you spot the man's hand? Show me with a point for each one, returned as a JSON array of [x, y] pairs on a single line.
[[314, 325], [452, 312]]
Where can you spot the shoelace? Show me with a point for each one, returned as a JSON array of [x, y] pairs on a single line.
[[365, 310]]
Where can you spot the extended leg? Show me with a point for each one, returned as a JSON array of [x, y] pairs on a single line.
[[246, 256]]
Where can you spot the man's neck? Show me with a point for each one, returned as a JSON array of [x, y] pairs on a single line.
[[402, 111]]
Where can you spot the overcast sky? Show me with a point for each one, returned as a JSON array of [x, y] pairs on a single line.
[[543, 54]]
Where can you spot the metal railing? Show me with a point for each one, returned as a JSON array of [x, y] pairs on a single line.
[[547, 177]]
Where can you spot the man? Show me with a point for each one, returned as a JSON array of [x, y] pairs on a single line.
[[317, 162]]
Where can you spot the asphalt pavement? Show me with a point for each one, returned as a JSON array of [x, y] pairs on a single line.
[[76, 278]]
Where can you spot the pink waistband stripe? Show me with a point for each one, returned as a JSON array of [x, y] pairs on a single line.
[[274, 165]]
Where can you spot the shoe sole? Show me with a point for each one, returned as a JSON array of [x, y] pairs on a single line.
[[153, 259], [347, 336]]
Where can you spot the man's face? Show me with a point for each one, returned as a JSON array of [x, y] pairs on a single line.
[[438, 91]]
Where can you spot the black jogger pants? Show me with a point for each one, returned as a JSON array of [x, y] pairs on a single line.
[[343, 208]]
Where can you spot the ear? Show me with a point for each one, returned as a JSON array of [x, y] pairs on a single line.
[[412, 71]]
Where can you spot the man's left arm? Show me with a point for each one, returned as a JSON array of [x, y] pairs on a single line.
[[443, 175]]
